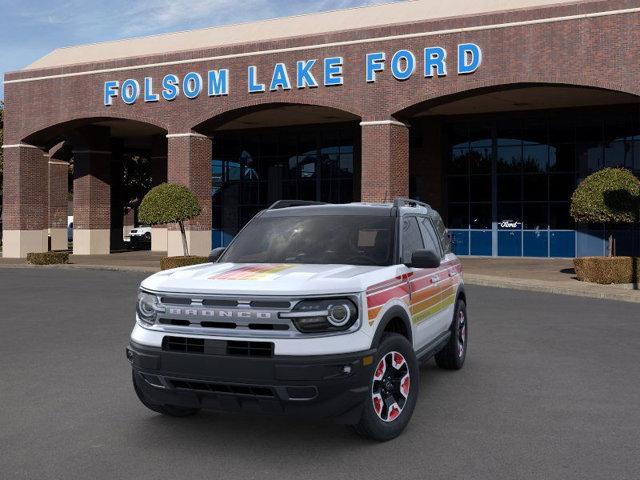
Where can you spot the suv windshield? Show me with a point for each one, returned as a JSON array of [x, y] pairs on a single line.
[[320, 239]]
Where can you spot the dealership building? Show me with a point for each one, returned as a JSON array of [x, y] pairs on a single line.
[[490, 110]]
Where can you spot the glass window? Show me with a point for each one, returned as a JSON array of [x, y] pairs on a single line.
[[458, 189], [411, 238], [480, 216], [480, 160], [618, 154], [559, 217], [534, 188], [509, 188], [459, 163], [429, 236], [562, 158], [535, 216], [509, 216], [481, 188], [535, 158], [561, 187], [509, 159], [458, 215], [441, 231]]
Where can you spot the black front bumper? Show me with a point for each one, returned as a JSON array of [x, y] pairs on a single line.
[[314, 386]]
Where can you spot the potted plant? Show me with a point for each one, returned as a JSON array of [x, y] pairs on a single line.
[[609, 196], [171, 203]]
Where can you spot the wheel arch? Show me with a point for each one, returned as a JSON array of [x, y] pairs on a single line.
[[394, 319]]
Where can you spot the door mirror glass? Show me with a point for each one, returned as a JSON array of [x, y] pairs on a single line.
[[215, 254], [425, 259]]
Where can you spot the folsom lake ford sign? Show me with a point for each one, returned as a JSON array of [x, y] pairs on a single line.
[[309, 73]]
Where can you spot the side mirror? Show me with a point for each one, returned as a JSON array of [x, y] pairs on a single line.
[[215, 254], [425, 259]]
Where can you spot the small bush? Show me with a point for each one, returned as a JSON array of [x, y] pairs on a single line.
[[48, 258], [607, 270], [168, 263]]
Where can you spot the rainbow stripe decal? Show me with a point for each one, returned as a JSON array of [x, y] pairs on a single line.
[[264, 271], [418, 290]]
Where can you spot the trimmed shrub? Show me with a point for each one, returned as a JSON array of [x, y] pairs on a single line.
[[611, 195], [168, 263], [48, 258], [607, 270], [170, 203]]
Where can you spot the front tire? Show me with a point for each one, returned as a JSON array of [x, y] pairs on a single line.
[[393, 391], [169, 410], [452, 356]]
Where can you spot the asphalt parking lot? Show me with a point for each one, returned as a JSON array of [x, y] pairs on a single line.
[[550, 391]]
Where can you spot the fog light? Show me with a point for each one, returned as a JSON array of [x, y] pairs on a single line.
[[368, 360], [346, 369]]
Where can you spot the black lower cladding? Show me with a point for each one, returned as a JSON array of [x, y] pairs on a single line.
[[315, 386]]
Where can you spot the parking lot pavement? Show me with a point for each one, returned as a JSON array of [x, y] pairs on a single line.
[[550, 390]]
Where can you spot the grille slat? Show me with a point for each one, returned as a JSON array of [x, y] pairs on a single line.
[[247, 390], [217, 347]]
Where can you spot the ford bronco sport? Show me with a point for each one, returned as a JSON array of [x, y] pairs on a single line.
[[322, 310]]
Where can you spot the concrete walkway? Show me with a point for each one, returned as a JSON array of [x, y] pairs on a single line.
[[540, 275]]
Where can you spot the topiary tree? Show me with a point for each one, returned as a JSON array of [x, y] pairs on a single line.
[[611, 195], [170, 203]]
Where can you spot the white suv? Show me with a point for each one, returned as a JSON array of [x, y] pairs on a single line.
[[322, 310]]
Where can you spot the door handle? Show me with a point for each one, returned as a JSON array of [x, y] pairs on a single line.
[[435, 279]]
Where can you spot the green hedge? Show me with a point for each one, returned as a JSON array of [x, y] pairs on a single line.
[[607, 270], [48, 258], [168, 263], [611, 195]]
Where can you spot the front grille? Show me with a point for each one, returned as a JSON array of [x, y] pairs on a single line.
[[217, 347], [250, 390], [250, 349], [183, 344]]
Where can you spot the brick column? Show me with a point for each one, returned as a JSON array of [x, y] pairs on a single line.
[[159, 233], [385, 160], [25, 212], [58, 191], [189, 164], [92, 192]]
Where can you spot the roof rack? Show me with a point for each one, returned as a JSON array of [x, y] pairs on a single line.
[[293, 203], [407, 202]]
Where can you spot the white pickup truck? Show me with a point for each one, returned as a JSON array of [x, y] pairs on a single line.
[[317, 310]]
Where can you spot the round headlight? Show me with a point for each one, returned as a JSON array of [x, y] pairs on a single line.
[[147, 307], [338, 314]]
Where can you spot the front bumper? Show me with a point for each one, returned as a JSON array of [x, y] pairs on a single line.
[[312, 386]]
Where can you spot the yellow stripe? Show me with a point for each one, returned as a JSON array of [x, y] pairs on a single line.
[[421, 316]]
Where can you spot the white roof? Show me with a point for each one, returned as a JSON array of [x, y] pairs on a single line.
[[273, 29]]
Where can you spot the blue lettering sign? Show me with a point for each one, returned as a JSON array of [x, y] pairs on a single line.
[[130, 91], [434, 59], [333, 71], [149, 96], [110, 92], [170, 87], [280, 78], [304, 76], [469, 58], [192, 85], [375, 63], [403, 64], [254, 87], [218, 82]]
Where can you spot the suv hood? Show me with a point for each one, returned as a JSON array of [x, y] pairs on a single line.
[[265, 279]]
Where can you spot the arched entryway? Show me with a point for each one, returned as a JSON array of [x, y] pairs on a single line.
[[100, 166], [266, 153], [501, 164]]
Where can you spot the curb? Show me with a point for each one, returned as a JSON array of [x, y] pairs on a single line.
[[73, 266], [603, 292]]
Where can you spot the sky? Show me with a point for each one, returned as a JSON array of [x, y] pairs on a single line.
[[29, 29]]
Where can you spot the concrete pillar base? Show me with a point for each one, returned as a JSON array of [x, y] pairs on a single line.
[[91, 242], [17, 243], [159, 239], [58, 238], [199, 242]]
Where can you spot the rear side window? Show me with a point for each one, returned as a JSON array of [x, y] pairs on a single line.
[[431, 241], [442, 233], [411, 238]]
